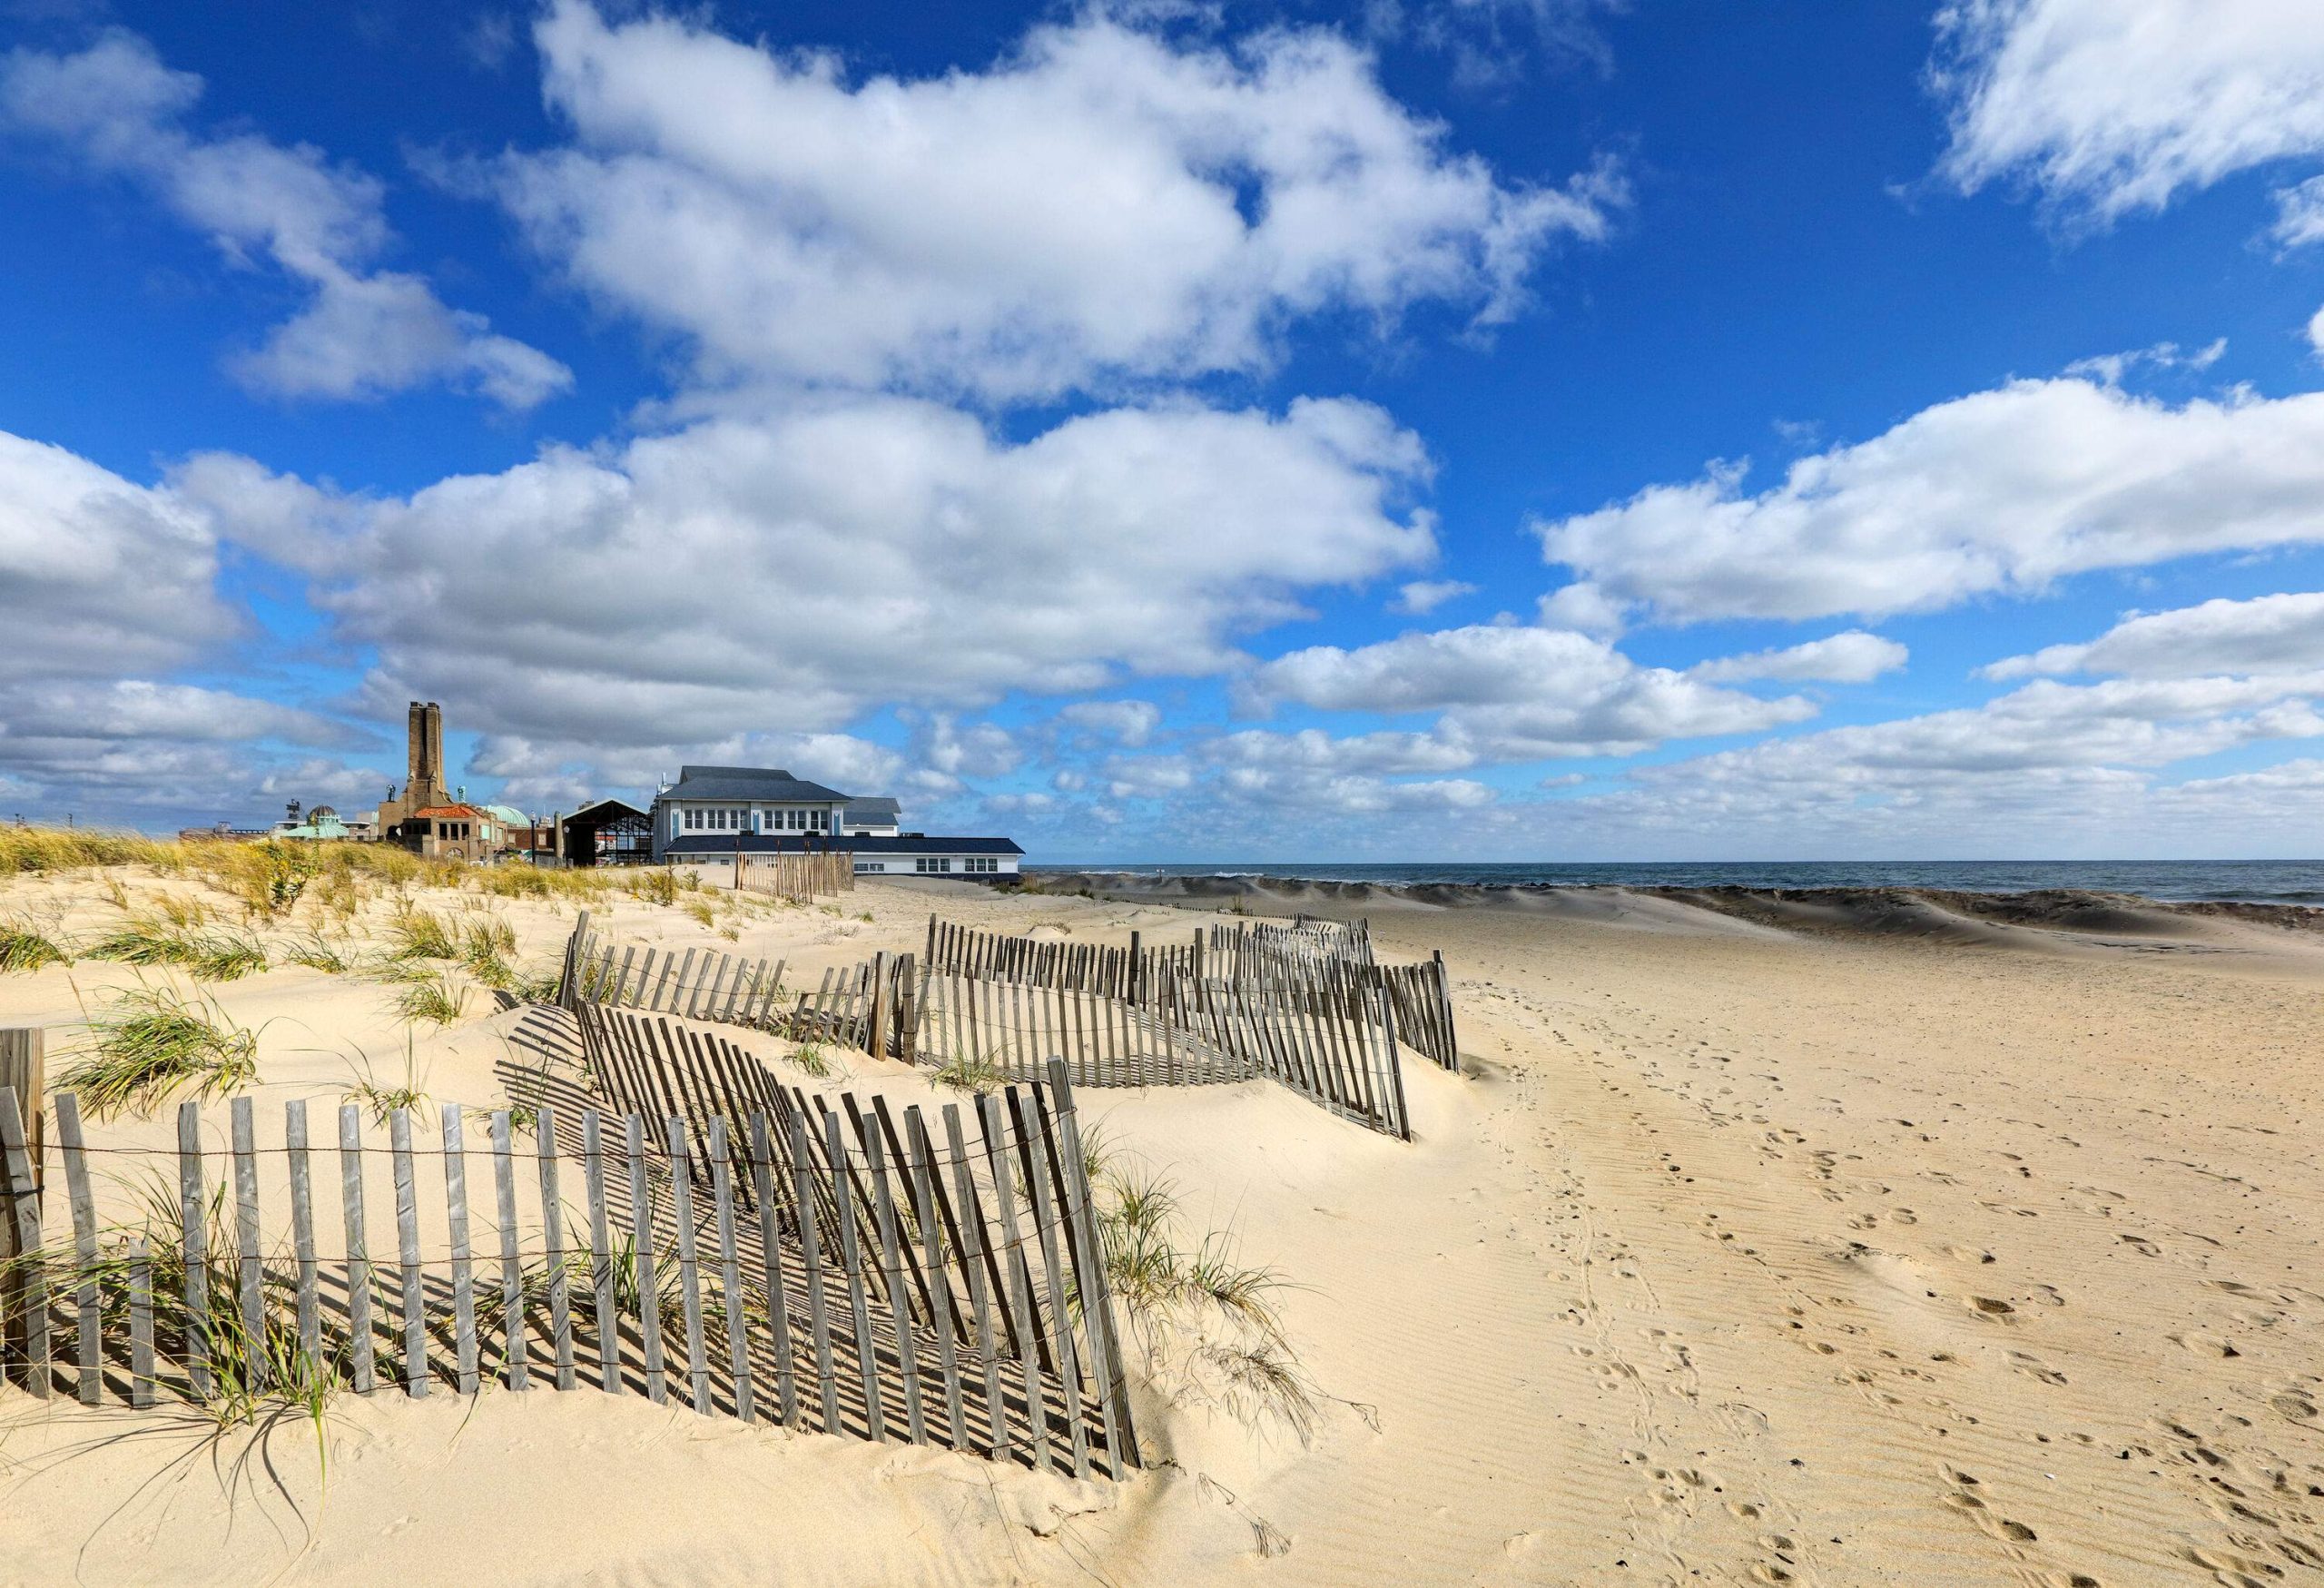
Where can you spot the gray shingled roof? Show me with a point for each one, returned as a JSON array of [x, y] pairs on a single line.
[[878, 808], [746, 782]]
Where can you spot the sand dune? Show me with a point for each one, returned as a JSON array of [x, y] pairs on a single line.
[[1815, 1239]]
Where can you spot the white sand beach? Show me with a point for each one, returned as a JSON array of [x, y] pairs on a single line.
[[1739, 1251]]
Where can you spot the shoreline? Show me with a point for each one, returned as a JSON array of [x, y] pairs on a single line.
[[1893, 910]]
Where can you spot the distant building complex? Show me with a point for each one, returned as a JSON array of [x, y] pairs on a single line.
[[710, 812]]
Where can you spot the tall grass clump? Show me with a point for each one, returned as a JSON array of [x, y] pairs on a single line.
[[150, 1043], [54, 849], [23, 947], [381, 1097], [259, 1377], [318, 953], [437, 998], [210, 956], [268, 875], [422, 935], [660, 884], [483, 948], [1207, 1322], [971, 1072]]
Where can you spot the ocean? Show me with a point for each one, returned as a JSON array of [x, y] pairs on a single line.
[[2287, 882]]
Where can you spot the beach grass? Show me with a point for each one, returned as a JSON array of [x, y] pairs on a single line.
[[152, 1041], [25, 948]]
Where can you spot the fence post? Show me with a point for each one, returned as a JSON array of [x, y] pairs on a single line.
[[21, 1070], [27, 1295]]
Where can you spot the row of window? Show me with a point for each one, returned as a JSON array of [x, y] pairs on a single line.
[[742, 819], [974, 863]]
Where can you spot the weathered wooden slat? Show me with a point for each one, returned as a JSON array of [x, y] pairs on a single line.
[[561, 1300], [899, 1298], [867, 1357], [604, 1319], [981, 1303], [456, 1216], [302, 1237], [409, 1314], [1031, 1345], [20, 1184], [649, 1293], [809, 1247], [778, 1301], [362, 1359], [1046, 1224], [931, 1236], [1096, 1298], [249, 1271], [141, 1324], [87, 1311], [512, 1261], [729, 1272], [689, 1266]]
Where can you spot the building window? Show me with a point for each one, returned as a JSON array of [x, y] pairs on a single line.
[[927, 862], [871, 865], [980, 862]]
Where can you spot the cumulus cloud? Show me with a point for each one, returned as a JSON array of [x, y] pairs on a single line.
[[1999, 492], [2112, 107], [1104, 201], [1422, 597], [2299, 214], [1509, 692], [99, 577], [365, 332], [1146, 776], [792, 572], [2268, 633], [1132, 723], [1851, 657]]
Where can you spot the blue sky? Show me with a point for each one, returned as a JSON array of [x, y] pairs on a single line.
[[1562, 430]]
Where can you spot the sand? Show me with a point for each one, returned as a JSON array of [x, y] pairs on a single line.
[[1829, 1241]]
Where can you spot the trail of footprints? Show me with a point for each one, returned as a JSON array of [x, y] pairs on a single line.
[[2264, 1505]]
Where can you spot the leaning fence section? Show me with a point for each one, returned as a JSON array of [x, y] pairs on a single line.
[[858, 1273], [798, 878], [1306, 1003]]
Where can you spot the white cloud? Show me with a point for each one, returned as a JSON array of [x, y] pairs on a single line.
[[2268, 633], [1146, 776], [99, 577], [2299, 214], [2111, 106], [1850, 657], [1999, 492], [1132, 723], [1422, 597], [1509, 692], [2316, 332], [2109, 367], [1488, 40], [793, 572], [2049, 769], [974, 750], [1101, 202], [365, 332]]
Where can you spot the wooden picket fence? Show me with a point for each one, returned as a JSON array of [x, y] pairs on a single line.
[[800, 878], [876, 1286], [1305, 1003], [1299, 960], [867, 1007]]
